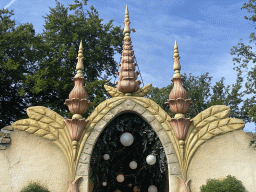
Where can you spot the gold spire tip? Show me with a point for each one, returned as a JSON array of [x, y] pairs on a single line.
[[79, 65], [80, 46], [176, 52], [127, 25]]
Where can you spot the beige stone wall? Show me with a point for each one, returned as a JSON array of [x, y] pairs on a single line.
[[228, 154], [32, 158]]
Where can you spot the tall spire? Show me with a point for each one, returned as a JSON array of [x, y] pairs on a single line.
[[128, 76], [77, 103], [178, 100]]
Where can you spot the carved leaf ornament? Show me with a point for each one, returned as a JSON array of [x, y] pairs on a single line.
[[116, 93], [46, 123], [207, 124]]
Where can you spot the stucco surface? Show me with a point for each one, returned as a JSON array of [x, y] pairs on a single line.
[[32, 158], [228, 154]]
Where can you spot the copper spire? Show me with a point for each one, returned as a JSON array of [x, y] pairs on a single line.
[[178, 100], [77, 103], [128, 76]]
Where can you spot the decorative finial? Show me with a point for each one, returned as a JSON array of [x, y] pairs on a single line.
[[176, 52], [128, 83], [79, 65], [179, 102], [77, 102], [127, 25], [176, 65]]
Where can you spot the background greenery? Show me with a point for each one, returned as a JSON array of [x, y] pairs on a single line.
[[38, 69]]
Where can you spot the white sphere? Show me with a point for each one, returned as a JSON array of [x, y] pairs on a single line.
[[120, 178], [133, 165], [152, 188], [151, 159], [126, 139], [106, 156], [104, 183]]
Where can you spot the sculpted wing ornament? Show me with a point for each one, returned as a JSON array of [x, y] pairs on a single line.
[[142, 91], [207, 124], [46, 123], [116, 93], [113, 91]]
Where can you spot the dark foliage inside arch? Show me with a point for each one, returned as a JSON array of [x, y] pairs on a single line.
[[146, 142]]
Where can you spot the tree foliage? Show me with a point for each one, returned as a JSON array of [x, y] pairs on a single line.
[[243, 56], [17, 57], [38, 69], [199, 91], [51, 83]]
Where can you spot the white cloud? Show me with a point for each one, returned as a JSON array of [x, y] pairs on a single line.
[[9, 4]]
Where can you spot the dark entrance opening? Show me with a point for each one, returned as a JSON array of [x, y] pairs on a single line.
[[111, 167]]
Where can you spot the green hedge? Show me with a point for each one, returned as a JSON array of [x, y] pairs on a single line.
[[230, 184], [34, 187]]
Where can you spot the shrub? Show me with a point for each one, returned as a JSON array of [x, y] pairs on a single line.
[[34, 187], [230, 184]]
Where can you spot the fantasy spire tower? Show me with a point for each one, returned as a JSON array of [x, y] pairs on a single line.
[[128, 76]]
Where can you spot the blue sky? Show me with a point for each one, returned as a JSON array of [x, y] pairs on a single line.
[[205, 31]]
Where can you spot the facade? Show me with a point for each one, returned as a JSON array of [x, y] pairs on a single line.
[[57, 152]]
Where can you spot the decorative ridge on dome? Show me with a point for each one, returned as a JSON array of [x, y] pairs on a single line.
[[128, 83]]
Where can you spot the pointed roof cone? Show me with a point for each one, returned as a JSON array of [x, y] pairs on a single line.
[[127, 25], [128, 76], [176, 65], [79, 65]]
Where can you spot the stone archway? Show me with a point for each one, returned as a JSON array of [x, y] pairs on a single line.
[[118, 157], [127, 105]]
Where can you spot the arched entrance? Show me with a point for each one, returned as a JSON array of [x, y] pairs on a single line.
[[116, 167], [105, 113]]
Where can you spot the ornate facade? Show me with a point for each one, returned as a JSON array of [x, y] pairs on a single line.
[[180, 137]]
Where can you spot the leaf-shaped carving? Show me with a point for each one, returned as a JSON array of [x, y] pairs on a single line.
[[142, 91], [46, 123], [207, 124], [113, 91], [116, 93]]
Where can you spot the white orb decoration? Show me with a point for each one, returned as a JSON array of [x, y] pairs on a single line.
[[151, 159], [152, 188], [106, 156], [104, 183], [120, 178], [133, 165], [126, 139]]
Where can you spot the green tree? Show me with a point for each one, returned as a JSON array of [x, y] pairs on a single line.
[[199, 91], [17, 57], [51, 83], [244, 56]]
